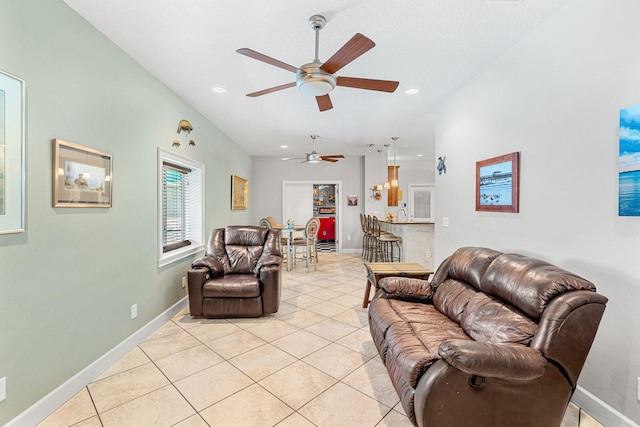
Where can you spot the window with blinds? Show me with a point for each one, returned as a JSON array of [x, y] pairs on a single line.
[[180, 210], [175, 186]]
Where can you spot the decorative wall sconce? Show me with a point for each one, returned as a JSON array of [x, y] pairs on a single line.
[[184, 126]]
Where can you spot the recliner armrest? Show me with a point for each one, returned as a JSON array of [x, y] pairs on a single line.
[[406, 288], [503, 361], [211, 263]]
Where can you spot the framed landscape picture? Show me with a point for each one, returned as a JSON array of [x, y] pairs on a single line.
[[498, 184], [82, 177]]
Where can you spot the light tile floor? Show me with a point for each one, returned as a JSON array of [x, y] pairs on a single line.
[[311, 364]]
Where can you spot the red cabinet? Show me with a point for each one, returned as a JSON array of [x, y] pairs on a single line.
[[327, 228]]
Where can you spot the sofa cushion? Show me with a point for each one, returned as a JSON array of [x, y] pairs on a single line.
[[466, 264], [528, 283], [452, 297], [487, 319], [232, 286], [411, 333]]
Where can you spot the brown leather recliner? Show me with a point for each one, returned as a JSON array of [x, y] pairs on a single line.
[[239, 276], [493, 340]]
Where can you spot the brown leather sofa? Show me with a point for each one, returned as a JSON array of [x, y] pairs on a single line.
[[492, 340], [239, 276]]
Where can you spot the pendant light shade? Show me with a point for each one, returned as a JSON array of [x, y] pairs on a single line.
[[387, 185], [379, 186], [394, 181]]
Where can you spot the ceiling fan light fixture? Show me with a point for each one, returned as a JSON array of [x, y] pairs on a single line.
[[311, 80]]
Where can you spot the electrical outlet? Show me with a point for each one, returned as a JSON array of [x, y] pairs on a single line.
[[445, 221], [134, 311], [349, 237], [3, 388], [184, 282]]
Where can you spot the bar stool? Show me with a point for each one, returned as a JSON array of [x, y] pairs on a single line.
[[385, 243]]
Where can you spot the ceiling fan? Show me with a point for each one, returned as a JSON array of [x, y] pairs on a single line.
[[314, 157], [317, 78]]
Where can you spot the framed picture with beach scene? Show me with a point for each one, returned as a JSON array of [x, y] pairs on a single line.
[[498, 184], [629, 162]]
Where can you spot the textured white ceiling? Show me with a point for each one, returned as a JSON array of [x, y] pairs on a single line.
[[432, 45]]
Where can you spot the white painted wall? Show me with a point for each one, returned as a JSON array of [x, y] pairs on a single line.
[[555, 97], [266, 192]]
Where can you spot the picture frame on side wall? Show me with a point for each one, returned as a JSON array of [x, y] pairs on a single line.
[[82, 177], [12, 154], [239, 192], [498, 184]]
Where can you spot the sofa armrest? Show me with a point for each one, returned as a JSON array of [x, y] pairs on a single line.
[[271, 279], [406, 288], [503, 361], [214, 266], [196, 278]]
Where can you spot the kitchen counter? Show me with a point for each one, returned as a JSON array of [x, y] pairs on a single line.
[[417, 240]]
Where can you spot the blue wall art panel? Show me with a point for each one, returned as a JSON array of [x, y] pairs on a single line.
[[629, 162]]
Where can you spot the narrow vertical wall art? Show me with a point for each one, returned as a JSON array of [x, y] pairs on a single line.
[[629, 162]]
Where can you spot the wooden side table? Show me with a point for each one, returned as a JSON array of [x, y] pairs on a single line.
[[380, 270]]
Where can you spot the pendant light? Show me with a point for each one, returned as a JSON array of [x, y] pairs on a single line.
[[394, 181], [386, 156], [379, 186]]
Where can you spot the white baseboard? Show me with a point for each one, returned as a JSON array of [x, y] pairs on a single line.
[[599, 410], [52, 401]]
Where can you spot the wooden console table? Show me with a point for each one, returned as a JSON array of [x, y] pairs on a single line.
[[380, 270]]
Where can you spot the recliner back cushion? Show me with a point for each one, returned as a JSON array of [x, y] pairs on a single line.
[[244, 245], [452, 297], [488, 319], [529, 284], [467, 264]]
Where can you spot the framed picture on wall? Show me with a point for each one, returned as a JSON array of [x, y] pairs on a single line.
[[82, 177], [352, 200], [12, 175], [498, 184], [239, 192], [629, 162]]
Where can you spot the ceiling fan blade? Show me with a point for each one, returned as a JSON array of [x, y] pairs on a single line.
[[352, 49], [270, 90], [328, 160], [264, 58], [336, 156], [369, 84], [324, 102]]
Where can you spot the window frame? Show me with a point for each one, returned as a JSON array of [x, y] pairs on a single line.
[[194, 210]]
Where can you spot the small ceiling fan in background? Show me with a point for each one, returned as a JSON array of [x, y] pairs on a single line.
[[314, 157], [317, 78]]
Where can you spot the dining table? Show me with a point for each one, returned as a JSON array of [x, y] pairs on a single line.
[[289, 229]]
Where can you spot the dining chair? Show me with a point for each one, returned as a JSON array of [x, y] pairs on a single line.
[[307, 244]]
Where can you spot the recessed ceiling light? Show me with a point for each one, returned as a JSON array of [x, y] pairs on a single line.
[[420, 155], [411, 91], [218, 89], [284, 146]]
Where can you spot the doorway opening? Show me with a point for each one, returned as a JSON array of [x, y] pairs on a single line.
[[320, 198]]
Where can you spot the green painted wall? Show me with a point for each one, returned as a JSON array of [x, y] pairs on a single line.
[[67, 284]]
